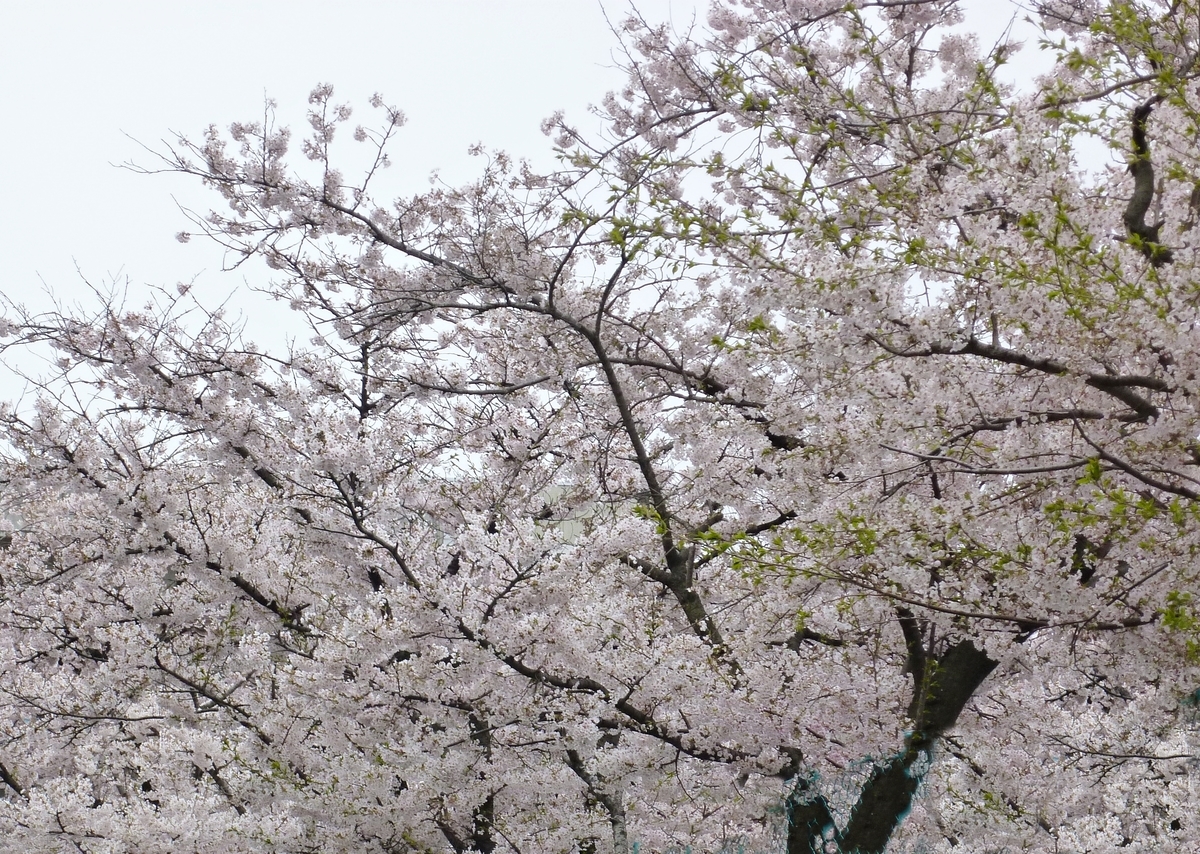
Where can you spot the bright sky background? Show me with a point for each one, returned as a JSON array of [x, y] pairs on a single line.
[[87, 81]]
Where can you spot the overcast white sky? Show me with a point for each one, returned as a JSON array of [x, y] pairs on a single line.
[[87, 80]]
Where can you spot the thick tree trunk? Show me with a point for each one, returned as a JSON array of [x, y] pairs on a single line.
[[942, 687]]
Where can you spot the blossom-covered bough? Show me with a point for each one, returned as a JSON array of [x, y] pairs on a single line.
[[810, 465]]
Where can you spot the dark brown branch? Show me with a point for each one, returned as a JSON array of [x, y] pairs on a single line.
[[798, 639], [269, 478], [225, 790], [411, 251], [1132, 471], [487, 387], [291, 617], [771, 524], [963, 467], [10, 781], [651, 571], [1119, 386], [1145, 236], [611, 801], [915, 664], [1121, 757], [240, 714]]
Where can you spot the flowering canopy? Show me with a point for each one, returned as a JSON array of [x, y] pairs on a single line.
[[811, 464]]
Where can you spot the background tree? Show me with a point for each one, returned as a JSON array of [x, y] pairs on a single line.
[[809, 464]]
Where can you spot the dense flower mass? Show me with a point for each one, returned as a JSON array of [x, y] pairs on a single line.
[[811, 464]]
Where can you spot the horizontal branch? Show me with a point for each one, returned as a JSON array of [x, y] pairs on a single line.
[[490, 388], [1026, 624], [1119, 387], [963, 467]]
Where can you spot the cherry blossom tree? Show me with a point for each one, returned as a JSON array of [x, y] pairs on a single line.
[[810, 464]]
